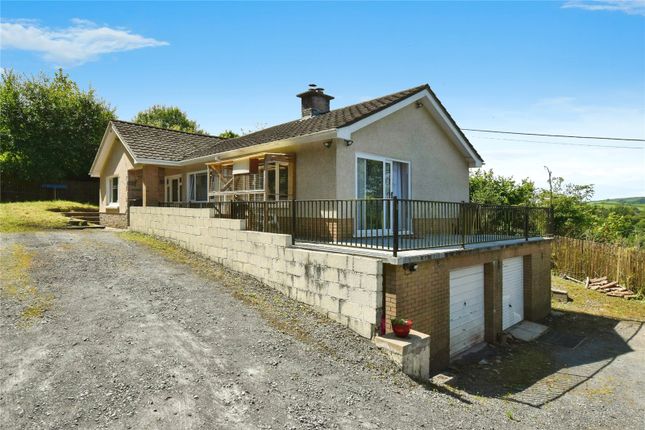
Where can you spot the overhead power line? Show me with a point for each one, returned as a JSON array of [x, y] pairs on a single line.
[[565, 143], [571, 136]]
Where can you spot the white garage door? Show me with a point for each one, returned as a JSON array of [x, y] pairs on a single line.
[[512, 291], [466, 308]]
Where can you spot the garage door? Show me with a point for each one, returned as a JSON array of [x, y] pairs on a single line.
[[512, 291], [466, 308]]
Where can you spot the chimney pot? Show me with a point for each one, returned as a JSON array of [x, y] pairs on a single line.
[[314, 101]]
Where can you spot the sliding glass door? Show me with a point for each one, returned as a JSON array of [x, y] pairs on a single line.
[[378, 179]]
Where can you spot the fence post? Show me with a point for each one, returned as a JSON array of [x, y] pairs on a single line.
[[293, 221], [462, 223], [395, 222], [526, 223], [265, 217]]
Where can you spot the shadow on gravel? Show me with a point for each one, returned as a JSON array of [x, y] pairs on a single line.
[[574, 350]]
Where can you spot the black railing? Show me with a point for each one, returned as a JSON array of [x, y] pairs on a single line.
[[386, 224]]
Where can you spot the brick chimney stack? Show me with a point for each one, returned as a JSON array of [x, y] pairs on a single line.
[[314, 101]]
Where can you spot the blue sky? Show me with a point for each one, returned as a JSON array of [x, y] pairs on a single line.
[[555, 67]]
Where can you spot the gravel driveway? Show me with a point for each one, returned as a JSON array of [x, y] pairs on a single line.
[[100, 332]]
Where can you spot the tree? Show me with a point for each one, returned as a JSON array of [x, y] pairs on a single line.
[[491, 189], [167, 117], [572, 213], [49, 128], [228, 134]]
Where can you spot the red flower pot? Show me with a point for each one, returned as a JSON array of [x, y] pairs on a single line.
[[402, 330]]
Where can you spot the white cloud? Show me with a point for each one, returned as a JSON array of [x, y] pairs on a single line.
[[631, 7], [81, 42]]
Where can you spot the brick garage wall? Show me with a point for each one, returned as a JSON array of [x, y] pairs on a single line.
[[116, 220], [424, 295], [346, 288]]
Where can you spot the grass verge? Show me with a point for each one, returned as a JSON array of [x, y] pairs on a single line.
[[16, 284], [33, 216], [280, 311], [595, 303]]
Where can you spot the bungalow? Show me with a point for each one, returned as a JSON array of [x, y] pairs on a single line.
[[384, 180], [404, 144]]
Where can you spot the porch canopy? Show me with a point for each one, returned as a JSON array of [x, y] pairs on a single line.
[[263, 176]]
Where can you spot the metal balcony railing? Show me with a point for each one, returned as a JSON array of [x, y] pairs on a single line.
[[386, 224]]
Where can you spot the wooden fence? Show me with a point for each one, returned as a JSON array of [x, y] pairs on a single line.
[[86, 191], [582, 258]]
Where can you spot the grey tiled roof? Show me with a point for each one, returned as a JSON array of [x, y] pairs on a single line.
[[163, 144], [169, 145]]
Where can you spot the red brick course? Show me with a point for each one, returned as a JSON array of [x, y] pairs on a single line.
[[424, 295]]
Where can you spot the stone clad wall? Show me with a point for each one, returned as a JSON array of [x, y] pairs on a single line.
[[113, 219], [346, 288]]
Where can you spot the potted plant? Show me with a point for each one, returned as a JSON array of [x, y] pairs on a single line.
[[401, 327]]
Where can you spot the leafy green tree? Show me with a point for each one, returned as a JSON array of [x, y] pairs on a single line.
[[572, 213], [491, 189], [49, 128], [228, 134], [167, 117]]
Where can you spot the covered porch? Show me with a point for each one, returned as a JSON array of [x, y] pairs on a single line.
[[262, 177]]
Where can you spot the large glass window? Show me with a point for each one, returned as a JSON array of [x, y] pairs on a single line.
[[378, 179], [198, 187]]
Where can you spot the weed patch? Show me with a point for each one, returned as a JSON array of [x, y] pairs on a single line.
[[16, 284]]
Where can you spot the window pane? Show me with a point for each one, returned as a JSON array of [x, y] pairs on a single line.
[[191, 187], [360, 191], [175, 190], [115, 190], [201, 187], [283, 179], [271, 184], [374, 179]]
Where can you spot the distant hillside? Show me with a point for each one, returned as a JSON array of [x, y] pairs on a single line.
[[630, 201]]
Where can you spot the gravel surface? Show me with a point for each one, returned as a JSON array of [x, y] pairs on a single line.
[[100, 332]]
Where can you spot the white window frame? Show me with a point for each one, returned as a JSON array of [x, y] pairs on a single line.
[[110, 190], [384, 159], [194, 190], [375, 157], [167, 185]]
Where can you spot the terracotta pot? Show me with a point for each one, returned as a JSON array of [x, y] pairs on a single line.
[[402, 330]]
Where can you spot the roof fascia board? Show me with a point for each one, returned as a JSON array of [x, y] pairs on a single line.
[[264, 147], [164, 163], [434, 108]]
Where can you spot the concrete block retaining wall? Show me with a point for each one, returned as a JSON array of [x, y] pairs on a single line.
[[346, 288]]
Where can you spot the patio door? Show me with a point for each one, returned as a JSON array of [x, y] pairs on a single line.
[[378, 179], [173, 189]]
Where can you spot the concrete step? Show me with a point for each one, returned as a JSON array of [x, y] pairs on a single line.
[[83, 227], [75, 213], [77, 222]]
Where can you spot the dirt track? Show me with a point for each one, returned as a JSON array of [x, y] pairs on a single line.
[[99, 332]]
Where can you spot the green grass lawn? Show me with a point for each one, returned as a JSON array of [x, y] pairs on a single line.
[[595, 303], [32, 216]]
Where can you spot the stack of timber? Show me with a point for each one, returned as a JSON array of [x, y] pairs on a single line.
[[603, 285]]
